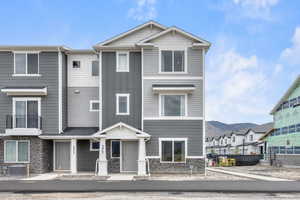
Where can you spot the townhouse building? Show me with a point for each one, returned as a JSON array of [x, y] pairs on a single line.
[[244, 142], [132, 103], [284, 140]]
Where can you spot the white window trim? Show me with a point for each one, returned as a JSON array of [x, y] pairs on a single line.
[[185, 140], [117, 61], [17, 154], [91, 105], [173, 117], [91, 146], [111, 156], [26, 53], [38, 99], [117, 103], [173, 49]]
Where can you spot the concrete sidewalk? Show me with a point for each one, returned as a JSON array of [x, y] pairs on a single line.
[[149, 186], [252, 176]]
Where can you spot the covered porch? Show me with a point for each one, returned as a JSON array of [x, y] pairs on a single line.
[[116, 149]]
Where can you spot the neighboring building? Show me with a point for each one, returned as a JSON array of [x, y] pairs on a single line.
[[245, 141], [137, 97], [284, 140]]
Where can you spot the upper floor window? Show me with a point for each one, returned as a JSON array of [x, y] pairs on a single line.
[[26, 112], [233, 139], [76, 64], [251, 138], [122, 62], [26, 63], [94, 106], [173, 105], [95, 68], [172, 61], [122, 103]]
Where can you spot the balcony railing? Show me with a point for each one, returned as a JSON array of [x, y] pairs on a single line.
[[23, 121]]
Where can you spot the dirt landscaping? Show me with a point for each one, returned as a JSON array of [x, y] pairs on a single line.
[[277, 172]]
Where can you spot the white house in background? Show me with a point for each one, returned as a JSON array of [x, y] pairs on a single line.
[[245, 141]]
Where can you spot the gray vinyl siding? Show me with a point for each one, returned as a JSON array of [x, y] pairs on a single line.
[[48, 67], [79, 114], [190, 129], [86, 159], [64, 92], [121, 82], [194, 104], [194, 63]]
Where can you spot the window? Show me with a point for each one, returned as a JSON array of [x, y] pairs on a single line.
[[233, 139], [94, 146], [173, 105], [16, 151], [289, 150], [173, 150], [251, 138], [298, 128], [292, 129], [172, 61], [115, 149], [293, 102], [26, 63], [122, 62], [26, 112], [95, 68], [76, 64], [284, 130], [296, 150], [94, 106], [285, 104], [282, 150], [122, 103]]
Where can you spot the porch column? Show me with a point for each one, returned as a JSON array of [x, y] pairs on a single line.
[[73, 156], [102, 158], [142, 158]]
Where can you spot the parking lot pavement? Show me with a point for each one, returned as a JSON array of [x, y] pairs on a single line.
[[148, 196]]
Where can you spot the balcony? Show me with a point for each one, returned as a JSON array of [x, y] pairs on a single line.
[[23, 125]]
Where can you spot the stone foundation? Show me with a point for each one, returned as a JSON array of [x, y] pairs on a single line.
[[157, 167], [41, 153]]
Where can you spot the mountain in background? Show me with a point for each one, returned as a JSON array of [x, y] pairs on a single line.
[[215, 128]]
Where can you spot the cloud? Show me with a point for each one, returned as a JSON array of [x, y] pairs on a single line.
[[250, 9], [291, 55], [236, 87], [143, 10]]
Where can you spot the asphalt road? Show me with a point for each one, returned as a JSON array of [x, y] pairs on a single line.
[[149, 186]]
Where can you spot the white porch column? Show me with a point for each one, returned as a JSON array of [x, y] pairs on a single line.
[[73, 156], [142, 158], [102, 158]]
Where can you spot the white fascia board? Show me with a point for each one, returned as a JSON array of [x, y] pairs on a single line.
[[204, 42], [129, 32]]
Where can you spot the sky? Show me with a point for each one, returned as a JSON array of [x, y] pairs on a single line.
[[254, 57]]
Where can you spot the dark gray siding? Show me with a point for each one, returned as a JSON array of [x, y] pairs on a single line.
[[191, 129], [121, 82], [86, 159], [49, 78], [64, 92]]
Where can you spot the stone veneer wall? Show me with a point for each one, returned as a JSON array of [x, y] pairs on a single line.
[[157, 167], [41, 153], [113, 164]]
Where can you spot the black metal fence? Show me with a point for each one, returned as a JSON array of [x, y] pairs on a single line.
[[241, 160], [23, 121]]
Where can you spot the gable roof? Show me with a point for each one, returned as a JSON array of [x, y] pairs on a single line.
[[174, 28], [287, 94], [121, 124], [151, 22]]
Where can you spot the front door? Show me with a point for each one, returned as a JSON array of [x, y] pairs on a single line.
[[129, 156], [62, 155]]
